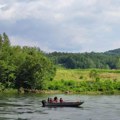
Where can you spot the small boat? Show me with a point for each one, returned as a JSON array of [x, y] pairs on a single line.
[[63, 104]]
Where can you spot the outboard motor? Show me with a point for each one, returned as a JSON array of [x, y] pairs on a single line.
[[43, 103]]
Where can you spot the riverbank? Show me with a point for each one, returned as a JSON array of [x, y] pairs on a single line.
[[77, 81], [15, 91], [99, 81]]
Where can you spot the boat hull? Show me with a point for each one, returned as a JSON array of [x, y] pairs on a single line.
[[64, 104]]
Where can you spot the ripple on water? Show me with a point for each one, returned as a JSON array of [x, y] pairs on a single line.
[[29, 108]]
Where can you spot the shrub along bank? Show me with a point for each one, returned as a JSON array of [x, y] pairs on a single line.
[[86, 81]]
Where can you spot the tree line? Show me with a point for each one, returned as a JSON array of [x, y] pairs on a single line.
[[107, 60], [25, 67]]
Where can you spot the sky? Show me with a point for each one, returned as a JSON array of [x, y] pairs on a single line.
[[62, 25]]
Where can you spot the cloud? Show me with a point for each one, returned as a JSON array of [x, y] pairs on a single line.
[[62, 25], [15, 40], [2, 6], [41, 9], [22, 41]]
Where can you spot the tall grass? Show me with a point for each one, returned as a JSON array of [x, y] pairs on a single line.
[[104, 81], [102, 86]]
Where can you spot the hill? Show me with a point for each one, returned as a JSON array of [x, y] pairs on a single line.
[[113, 52], [107, 60]]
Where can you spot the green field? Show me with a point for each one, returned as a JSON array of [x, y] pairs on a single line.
[[86, 81], [81, 74]]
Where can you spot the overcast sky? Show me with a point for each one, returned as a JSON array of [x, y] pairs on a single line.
[[62, 25]]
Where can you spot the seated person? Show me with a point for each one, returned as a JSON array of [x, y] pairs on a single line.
[[55, 99], [61, 100], [50, 100]]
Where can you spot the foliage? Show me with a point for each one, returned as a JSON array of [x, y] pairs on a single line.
[[94, 74], [30, 68], [34, 71], [103, 81], [86, 60], [25, 67], [102, 86]]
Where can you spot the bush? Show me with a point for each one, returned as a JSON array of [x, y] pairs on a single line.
[[81, 77]]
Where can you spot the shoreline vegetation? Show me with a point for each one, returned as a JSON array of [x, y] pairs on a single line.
[[14, 91], [86, 81], [79, 81]]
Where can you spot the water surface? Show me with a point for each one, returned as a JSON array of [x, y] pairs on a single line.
[[29, 107]]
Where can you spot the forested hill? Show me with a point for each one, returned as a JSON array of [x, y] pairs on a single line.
[[106, 60], [114, 52]]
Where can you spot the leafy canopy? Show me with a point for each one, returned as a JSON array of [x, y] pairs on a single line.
[[25, 67]]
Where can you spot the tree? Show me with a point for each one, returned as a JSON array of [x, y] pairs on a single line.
[[118, 63], [26, 67], [6, 41], [34, 71], [70, 63], [94, 74], [7, 74], [1, 41]]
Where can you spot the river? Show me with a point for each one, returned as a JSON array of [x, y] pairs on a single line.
[[29, 107]]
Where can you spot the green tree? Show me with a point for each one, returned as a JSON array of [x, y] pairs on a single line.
[[7, 74], [1, 41], [94, 74], [34, 71], [6, 41], [25, 67]]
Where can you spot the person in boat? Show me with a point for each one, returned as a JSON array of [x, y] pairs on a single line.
[[55, 99], [50, 100], [61, 100]]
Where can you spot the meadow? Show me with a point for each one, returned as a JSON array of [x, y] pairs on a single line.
[[86, 81]]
